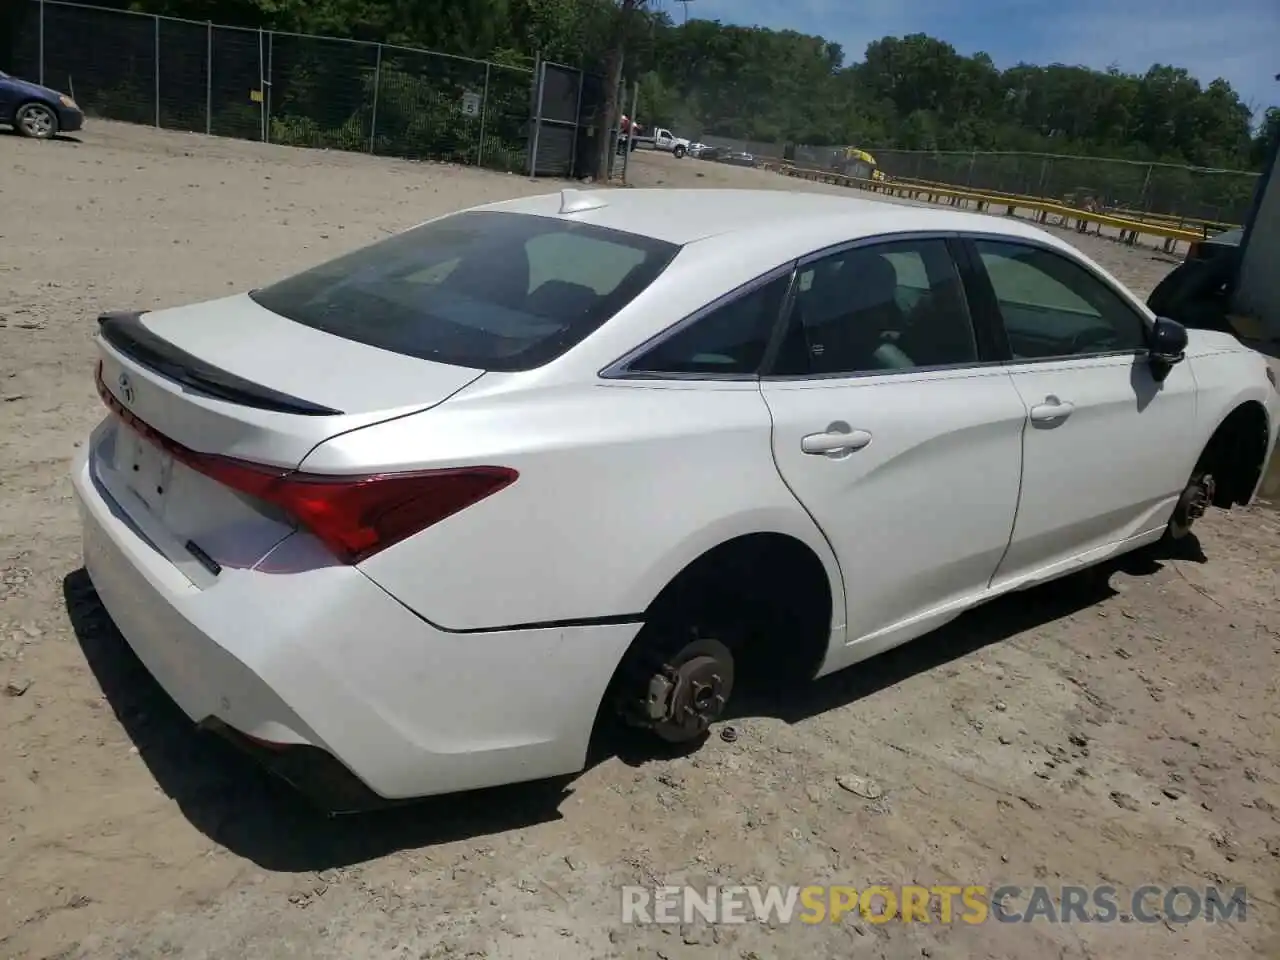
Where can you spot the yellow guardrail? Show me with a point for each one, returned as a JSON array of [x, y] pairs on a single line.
[[1206, 228], [1210, 227], [1079, 219]]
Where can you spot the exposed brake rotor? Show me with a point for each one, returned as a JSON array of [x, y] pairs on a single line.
[[689, 692], [1195, 500]]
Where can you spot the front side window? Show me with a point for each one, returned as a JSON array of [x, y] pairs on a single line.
[[730, 339], [893, 306], [482, 289], [1052, 307]]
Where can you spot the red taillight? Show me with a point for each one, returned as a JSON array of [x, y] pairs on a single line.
[[354, 516]]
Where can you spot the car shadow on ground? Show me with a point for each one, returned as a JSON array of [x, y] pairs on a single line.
[[981, 627], [236, 804], [233, 802], [63, 137]]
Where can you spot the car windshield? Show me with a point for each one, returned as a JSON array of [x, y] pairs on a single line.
[[482, 289]]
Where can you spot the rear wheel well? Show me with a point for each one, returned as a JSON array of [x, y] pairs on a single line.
[[1236, 454], [775, 584]]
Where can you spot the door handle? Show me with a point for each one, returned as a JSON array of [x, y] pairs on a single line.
[[837, 441], [1052, 410]]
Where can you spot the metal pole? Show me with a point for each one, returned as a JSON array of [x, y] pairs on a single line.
[[1144, 200], [208, 79], [42, 42], [156, 65], [537, 120], [577, 126], [615, 131], [484, 110], [266, 99], [631, 127], [377, 82], [262, 93]]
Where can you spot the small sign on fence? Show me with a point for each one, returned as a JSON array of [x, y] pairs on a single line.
[[255, 96], [471, 104]]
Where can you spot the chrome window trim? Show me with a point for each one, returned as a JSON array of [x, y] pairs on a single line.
[[620, 369], [982, 366]]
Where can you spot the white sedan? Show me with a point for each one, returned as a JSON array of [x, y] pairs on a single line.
[[418, 519]]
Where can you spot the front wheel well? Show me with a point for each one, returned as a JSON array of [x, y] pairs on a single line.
[[774, 584], [1236, 454]]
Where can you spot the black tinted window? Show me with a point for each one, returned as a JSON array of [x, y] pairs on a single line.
[[1052, 307], [496, 291], [730, 339], [892, 306]]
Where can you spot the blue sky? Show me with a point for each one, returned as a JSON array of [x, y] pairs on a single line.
[[1235, 39]]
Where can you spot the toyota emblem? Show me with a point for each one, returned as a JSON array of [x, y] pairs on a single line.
[[126, 388]]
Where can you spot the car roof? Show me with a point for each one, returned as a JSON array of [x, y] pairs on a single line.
[[730, 238], [1228, 238], [686, 216]]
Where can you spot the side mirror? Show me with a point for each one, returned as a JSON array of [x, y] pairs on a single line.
[[1167, 345]]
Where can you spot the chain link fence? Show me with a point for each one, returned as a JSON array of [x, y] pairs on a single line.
[[1221, 196], [278, 87], [1125, 186], [1152, 189]]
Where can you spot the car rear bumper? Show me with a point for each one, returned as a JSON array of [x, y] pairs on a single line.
[[302, 656]]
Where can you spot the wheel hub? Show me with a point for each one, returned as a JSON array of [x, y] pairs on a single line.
[[1193, 503], [689, 692], [38, 122]]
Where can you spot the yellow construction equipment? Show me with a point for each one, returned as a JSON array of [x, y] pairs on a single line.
[[852, 162]]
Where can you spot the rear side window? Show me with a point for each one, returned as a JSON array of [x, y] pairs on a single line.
[[489, 290], [729, 340]]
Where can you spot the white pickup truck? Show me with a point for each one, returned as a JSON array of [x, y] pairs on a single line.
[[663, 139]]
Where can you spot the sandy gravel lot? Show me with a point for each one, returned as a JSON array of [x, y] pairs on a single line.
[[1120, 727]]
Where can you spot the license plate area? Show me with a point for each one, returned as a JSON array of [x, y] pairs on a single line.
[[145, 468]]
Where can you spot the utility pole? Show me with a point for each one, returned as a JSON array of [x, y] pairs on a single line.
[[608, 144]]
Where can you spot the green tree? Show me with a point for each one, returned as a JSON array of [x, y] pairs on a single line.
[[709, 78]]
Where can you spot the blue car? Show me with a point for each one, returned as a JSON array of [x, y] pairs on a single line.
[[36, 111]]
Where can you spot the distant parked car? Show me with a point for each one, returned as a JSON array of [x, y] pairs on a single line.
[[1220, 244], [1197, 292], [37, 111], [739, 158]]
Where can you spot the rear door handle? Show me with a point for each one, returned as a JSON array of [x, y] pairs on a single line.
[[837, 441], [1052, 410]]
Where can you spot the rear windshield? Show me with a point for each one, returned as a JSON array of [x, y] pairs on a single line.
[[494, 291]]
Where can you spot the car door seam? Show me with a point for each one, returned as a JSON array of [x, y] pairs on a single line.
[[1022, 476], [773, 455]]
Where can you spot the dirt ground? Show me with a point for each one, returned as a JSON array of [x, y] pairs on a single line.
[[1120, 727]]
